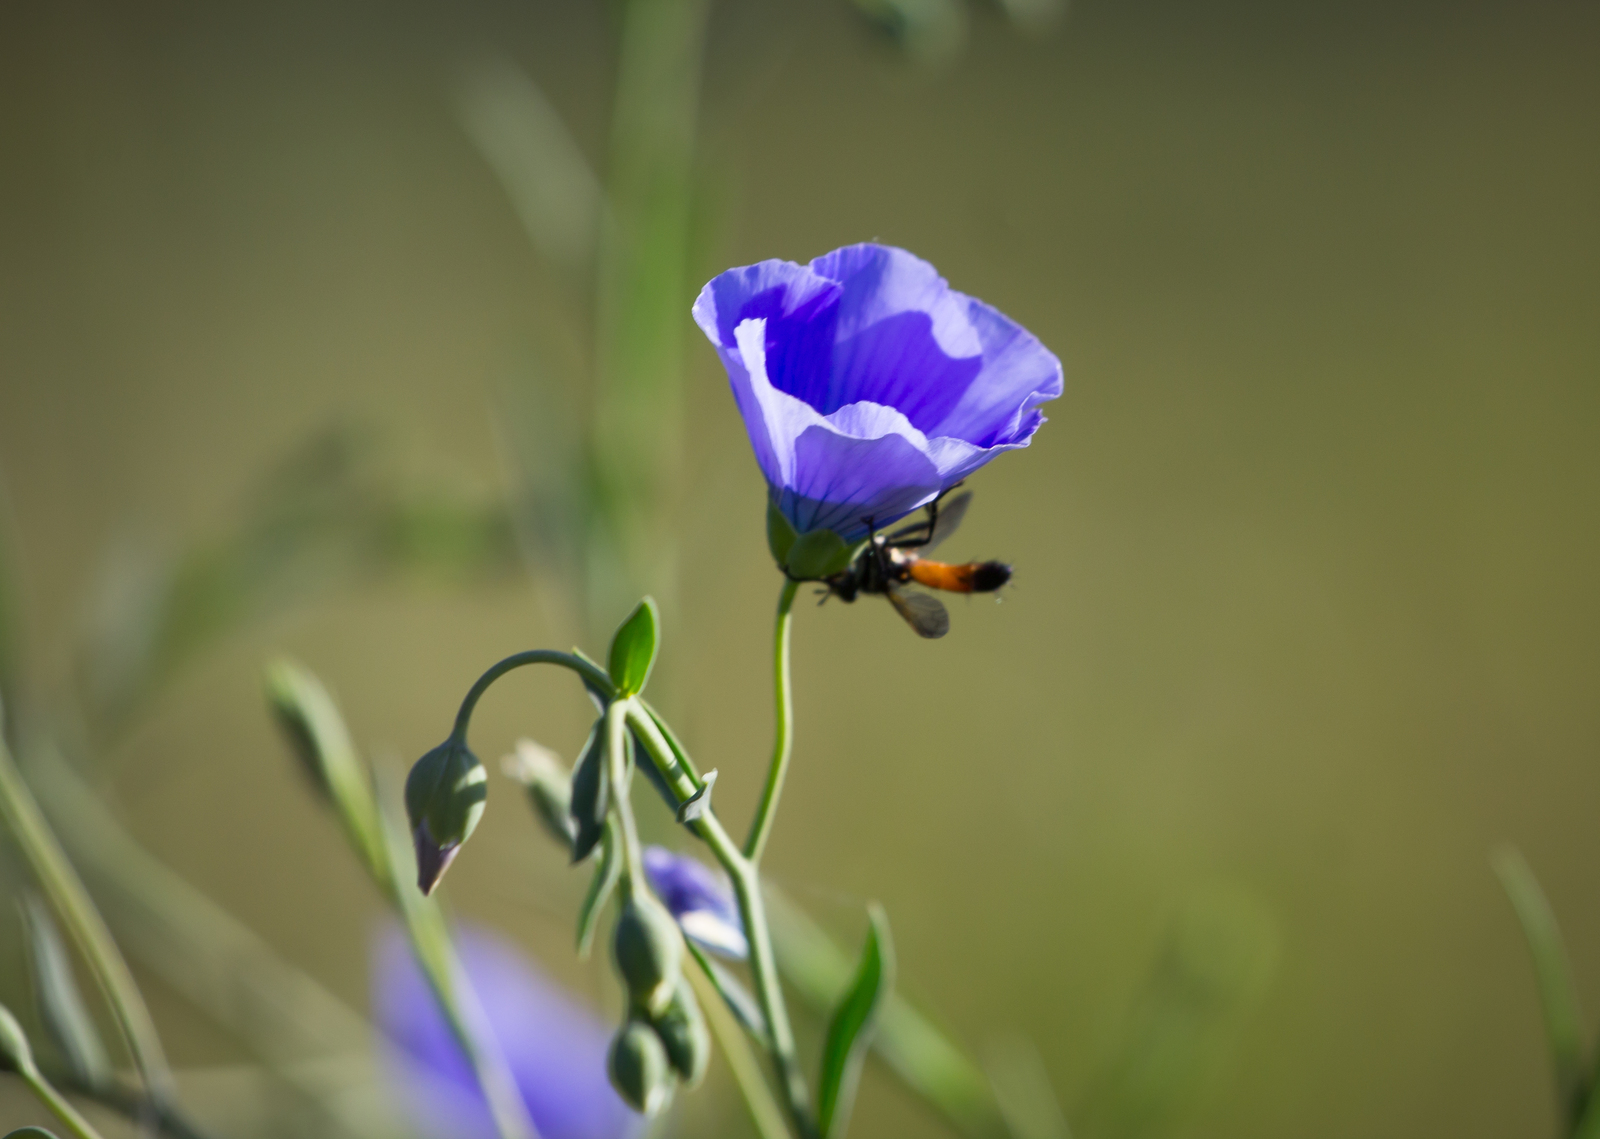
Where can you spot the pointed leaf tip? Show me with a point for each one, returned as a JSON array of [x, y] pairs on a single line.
[[850, 1031], [633, 648]]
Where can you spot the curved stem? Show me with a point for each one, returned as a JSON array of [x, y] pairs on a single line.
[[746, 880], [66, 890], [783, 726], [593, 677]]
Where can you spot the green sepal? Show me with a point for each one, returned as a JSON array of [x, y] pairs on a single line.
[[30, 1133], [590, 794], [601, 887], [850, 1030], [781, 534], [66, 1019], [819, 554], [445, 796], [633, 648]]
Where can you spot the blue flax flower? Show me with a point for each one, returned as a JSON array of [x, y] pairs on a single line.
[[699, 898], [556, 1047], [868, 385]]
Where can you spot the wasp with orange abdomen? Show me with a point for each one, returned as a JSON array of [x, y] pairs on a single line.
[[898, 558]]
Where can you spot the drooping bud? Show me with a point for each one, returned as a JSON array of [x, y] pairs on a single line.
[[639, 1069], [649, 952], [549, 787], [683, 1033], [445, 794]]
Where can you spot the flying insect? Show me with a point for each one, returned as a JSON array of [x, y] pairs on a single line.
[[897, 558]]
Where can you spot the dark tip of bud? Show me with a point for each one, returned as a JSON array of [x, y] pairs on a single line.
[[990, 576], [445, 794], [432, 859]]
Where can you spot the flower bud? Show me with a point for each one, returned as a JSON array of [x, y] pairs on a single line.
[[16, 1055], [648, 951], [638, 1068], [445, 794], [683, 1033], [549, 787]]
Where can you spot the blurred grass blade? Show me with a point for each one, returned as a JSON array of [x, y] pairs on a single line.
[[850, 1030], [643, 290], [429, 934], [1218, 958], [1022, 1089], [923, 1057], [61, 1007], [317, 733], [10, 623], [765, 1113], [521, 136], [327, 514], [1558, 998], [299, 1029], [314, 721], [68, 895], [600, 888]]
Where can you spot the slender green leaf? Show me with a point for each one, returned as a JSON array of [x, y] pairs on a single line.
[[1558, 998], [922, 1056], [740, 1003], [600, 888], [850, 1031], [61, 1009], [633, 649]]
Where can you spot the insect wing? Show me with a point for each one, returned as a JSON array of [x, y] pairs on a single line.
[[927, 615], [947, 520]]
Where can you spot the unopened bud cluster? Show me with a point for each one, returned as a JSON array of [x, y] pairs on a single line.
[[664, 1041]]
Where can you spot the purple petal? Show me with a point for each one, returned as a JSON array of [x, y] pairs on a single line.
[[699, 898], [555, 1046], [867, 384]]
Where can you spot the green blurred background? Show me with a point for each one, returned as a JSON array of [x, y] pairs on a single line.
[[1306, 612]]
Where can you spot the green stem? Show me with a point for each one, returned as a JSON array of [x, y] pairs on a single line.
[[57, 1103], [622, 810], [746, 880], [593, 677], [72, 902], [765, 1113], [783, 726]]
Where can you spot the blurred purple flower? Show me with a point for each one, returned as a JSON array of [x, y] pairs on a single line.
[[867, 384], [699, 898], [555, 1046]]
